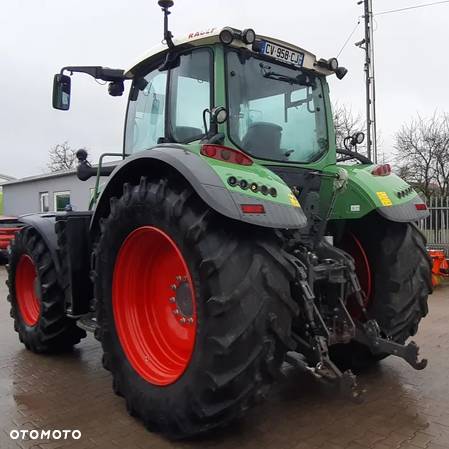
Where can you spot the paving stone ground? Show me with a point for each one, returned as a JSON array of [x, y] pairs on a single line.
[[403, 408]]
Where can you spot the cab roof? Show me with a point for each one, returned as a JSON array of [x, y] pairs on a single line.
[[211, 36]]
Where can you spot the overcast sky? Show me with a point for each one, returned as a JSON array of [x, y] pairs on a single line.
[[38, 37]]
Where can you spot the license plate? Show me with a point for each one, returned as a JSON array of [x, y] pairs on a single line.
[[282, 54]]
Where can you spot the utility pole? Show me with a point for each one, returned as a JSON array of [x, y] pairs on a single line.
[[368, 45]]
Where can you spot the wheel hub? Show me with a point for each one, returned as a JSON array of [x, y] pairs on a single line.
[[183, 300]]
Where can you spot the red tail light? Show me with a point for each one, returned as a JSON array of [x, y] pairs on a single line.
[[420, 206], [382, 170], [252, 208], [225, 154]]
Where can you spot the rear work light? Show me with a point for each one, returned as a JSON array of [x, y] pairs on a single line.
[[382, 170], [420, 206], [252, 208], [225, 154]]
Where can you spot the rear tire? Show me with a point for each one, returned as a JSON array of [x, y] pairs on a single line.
[[37, 300], [401, 282], [243, 310]]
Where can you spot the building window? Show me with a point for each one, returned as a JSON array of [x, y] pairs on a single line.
[[43, 201], [62, 199]]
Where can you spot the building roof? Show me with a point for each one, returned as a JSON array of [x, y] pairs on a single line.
[[5, 178], [56, 174]]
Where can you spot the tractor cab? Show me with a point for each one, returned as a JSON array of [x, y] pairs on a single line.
[[225, 86], [272, 96]]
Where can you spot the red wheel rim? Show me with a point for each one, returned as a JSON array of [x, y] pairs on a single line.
[[353, 246], [154, 306], [26, 290]]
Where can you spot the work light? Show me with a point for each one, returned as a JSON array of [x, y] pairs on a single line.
[[248, 36], [226, 36], [332, 63]]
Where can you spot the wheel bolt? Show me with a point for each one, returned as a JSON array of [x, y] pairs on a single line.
[[182, 320], [172, 299], [184, 278], [176, 312], [179, 278], [190, 320], [173, 287]]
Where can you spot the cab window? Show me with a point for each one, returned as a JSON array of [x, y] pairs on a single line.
[[146, 116], [190, 93]]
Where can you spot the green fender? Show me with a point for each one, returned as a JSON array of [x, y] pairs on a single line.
[[391, 196]]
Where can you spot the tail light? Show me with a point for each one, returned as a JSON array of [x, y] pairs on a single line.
[[226, 154], [421, 206], [382, 170], [252, 208]]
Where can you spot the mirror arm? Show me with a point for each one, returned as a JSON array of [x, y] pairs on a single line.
[[84, 171], [97, 72]]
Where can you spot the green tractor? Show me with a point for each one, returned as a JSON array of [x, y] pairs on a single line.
[[232, 236]]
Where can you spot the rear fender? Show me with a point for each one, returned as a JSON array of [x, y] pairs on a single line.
[[390, 196], [164, 160]]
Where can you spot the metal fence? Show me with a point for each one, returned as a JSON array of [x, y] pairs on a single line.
[[436, 226]]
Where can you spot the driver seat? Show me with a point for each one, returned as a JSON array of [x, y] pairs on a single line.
[[263, 140]]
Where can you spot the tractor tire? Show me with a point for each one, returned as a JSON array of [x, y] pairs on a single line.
[[37, 300], [400, 278], [194, 310]]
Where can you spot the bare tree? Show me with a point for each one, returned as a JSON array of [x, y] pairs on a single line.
[[422, 153], [62, 157], [345, 123]]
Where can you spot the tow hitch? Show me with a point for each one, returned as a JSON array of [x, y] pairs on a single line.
[[369, 335], [314, 340], [325, 324]]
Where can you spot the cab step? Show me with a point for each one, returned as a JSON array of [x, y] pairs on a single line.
[[88, 323]]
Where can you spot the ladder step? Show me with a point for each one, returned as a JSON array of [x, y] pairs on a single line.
[[88, 323]]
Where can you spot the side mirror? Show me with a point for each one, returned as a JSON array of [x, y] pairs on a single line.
[[61, 92]]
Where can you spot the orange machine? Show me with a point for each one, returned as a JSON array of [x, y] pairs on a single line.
[[440, 266], [8, 227]]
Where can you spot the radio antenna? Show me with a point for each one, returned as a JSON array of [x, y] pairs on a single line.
[[165, 5]]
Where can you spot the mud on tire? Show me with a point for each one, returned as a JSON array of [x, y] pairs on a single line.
[[53, 331], [243, 305]]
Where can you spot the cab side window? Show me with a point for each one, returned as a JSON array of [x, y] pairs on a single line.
[[146, 116], [190, 95]]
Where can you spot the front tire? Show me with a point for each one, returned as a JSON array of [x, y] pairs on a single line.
[[37, 300], [239, 307]]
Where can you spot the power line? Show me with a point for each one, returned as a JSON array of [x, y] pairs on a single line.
[[349, 37], [424, 5]]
